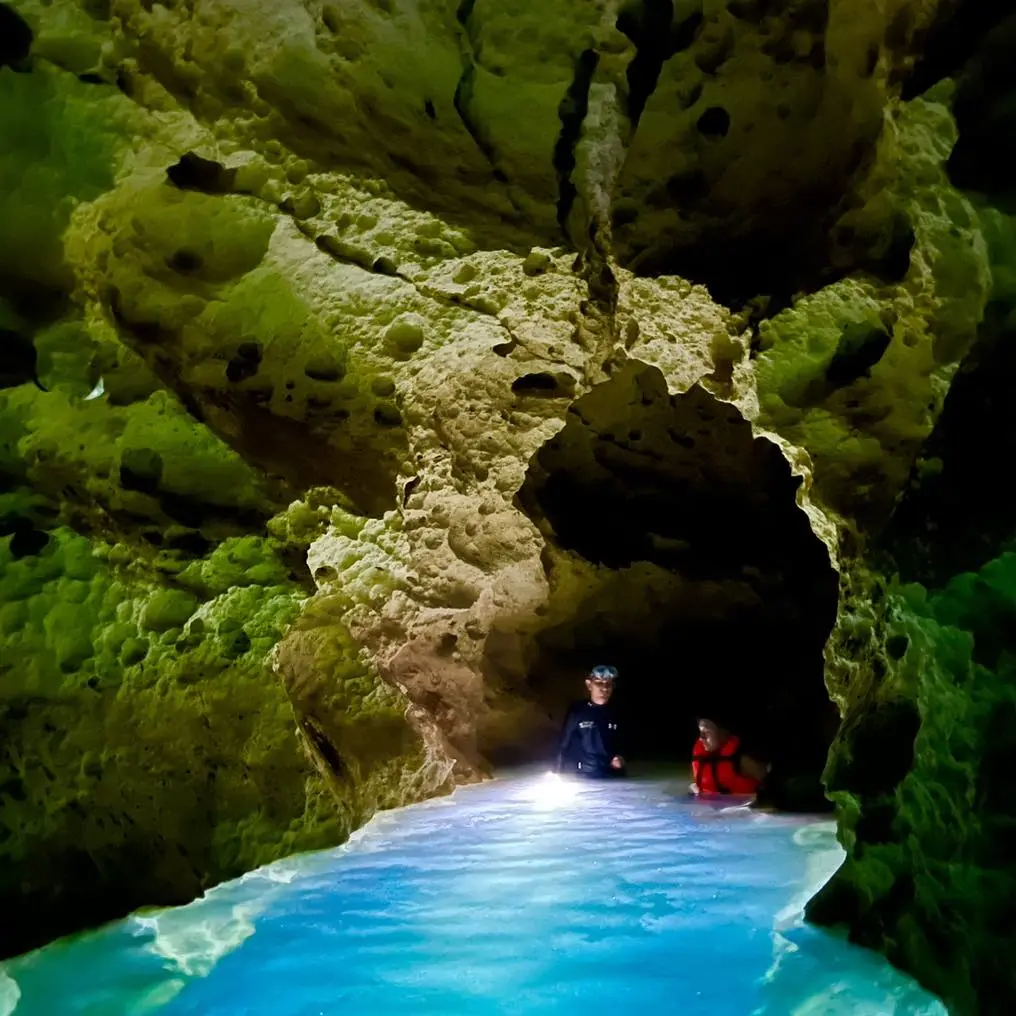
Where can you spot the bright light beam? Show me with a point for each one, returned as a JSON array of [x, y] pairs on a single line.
[[552, 791]]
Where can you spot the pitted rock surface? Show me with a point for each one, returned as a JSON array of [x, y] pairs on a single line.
[[400, 357]]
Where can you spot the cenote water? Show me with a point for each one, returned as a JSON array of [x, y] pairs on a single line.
[[503, 899]]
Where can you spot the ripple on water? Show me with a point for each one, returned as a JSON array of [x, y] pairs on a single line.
[[506, 899]]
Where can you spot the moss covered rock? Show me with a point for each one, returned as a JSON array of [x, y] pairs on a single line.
[[922, 661], [166, 757]]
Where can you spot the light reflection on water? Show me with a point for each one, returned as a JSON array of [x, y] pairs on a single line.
[[514, 897]]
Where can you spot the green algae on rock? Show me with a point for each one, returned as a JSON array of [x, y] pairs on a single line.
[[144, 756], [928, 817]]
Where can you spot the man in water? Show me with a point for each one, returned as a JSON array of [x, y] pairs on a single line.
[[720, 766], [590, 744]]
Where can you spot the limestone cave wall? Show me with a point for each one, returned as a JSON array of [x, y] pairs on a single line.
[[370, 366], [923, 652]]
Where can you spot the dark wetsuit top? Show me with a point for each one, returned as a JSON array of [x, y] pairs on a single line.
[[589, 740]]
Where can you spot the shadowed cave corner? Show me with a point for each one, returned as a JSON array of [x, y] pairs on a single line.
[[675, 550]]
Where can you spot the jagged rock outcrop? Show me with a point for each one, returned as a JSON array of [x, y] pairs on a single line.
[[922, 656], [381, 297]]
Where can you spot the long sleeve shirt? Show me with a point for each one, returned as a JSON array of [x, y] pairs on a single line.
[[590, 738]]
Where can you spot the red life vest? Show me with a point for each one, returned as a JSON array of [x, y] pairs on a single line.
[[717, 772]]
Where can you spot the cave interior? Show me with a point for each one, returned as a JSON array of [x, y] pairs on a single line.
[[677, 552]]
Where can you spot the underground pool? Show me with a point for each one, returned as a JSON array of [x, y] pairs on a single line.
[[522, 895]]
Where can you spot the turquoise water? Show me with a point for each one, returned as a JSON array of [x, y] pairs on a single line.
[[518, 896]]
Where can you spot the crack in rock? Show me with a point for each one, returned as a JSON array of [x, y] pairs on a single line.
[[464, 97], [572, 113], [656, 38]]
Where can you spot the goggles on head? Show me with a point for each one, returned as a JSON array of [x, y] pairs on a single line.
[[603, 674]]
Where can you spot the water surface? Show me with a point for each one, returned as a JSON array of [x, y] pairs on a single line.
[[514, 897]]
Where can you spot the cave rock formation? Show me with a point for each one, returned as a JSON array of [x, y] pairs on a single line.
[[395, 358]]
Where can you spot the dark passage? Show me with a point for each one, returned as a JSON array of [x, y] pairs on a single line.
[[711, 594]]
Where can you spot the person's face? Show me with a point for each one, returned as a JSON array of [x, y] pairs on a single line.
[[599, 690], [712, 736]]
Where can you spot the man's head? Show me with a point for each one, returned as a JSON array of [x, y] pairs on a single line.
[[600, 683], [713, 735]]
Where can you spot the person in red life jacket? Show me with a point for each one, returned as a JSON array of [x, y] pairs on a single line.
[[718, 764]]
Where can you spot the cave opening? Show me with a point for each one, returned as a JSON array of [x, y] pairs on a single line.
[[676, 551]]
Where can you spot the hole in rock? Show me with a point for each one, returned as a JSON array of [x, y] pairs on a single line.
[[15, 37], [676, 551], [185, 261], [246, 362], [193, 172], [26, 540], [714, 122], [192, 544], [544, 384]]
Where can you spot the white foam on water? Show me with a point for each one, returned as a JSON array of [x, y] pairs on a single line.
[[803, 978], [10, 993], [158, 997], [193, 944], [841, 998], [193, 938], [824, 857]]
